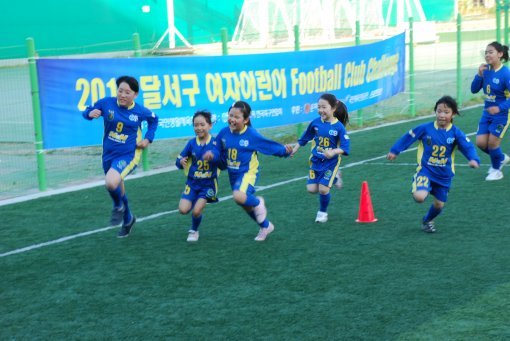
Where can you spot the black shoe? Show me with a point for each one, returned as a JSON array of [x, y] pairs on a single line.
[[126, 228], [117, 215], [428, 227]]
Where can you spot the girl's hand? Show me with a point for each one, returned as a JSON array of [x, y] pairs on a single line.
[[183, 161], [482, 68], [95, 113], [142, 144], [294, 148], [208, 156], [473, 164], [391, 156], [493, 110], [329, 153]]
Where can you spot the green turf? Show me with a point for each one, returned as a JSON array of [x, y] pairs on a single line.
[[341, 280]]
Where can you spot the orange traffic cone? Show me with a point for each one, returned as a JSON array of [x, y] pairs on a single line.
[[366, 212]]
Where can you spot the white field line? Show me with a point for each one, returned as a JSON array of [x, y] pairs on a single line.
[[157, 215]]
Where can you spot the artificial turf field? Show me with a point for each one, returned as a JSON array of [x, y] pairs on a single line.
[[65, 275]]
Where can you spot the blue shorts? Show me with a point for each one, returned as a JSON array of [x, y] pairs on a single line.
[[494, 124], [243, 182], [323, 177], [422, 182], [205, 189], [123, 164]]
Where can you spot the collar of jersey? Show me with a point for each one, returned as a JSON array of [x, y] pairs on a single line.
[[332, 122], [130, 107], [447, 128], [241, 132], [206, 142]]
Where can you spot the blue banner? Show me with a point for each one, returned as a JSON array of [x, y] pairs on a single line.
[[282, 88]]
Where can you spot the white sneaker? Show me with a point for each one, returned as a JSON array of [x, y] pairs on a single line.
[[494, 175], [321, 217], [490, 170], [264, 232], [260, 211], [192, 236], [505, 161], [339, 182]]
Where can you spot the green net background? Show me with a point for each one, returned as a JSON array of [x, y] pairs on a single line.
[[109, 34]]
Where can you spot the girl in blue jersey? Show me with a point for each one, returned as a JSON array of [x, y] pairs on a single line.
[[199, 159], [436, 153], [494, 78], [330, 141], [122, 144], [239, 144]]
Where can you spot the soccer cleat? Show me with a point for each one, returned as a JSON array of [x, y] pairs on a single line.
[[494, 175], [505, 161], [490, 170], [260, 211], [428, 227], [321, 217], [117, 215], [339, 183], [192, 236], [264, 232], [126, 228]]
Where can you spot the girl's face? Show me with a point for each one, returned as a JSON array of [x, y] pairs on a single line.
[[325, 110], [236, 121], [444, 115], [125, 96], [201, 127], [492, 56]]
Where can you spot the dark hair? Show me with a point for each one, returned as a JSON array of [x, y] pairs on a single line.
[[501, 48], [449, 102], [340, 112], [245, 109], [205, 114], [131, 81]]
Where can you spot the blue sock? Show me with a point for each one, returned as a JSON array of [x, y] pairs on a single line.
[[263, 224], [497, 157], [432, 213], [116, 195], [251, 200], [324, 202], [195, 222], [127, 213]]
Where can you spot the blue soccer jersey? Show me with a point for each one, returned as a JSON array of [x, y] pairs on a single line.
[[122, 126], [202, 175], [238, 152], [496, 87], [197, 168], [325, 135], [436, 150]]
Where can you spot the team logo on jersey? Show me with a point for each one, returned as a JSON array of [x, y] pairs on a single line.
[[499, 128], [244, 143], [429, 140], [328, 174], [450, 140], [333, 132], [111, 115], [121, 164], [133, 118], [210, 193]]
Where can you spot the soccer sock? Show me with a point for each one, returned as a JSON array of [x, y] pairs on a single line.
[[195, 222], [432, 213], [116, 195], [264, 224], [497, 157], [252, 215], [251, 200], [324, 202], [127, 213]]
